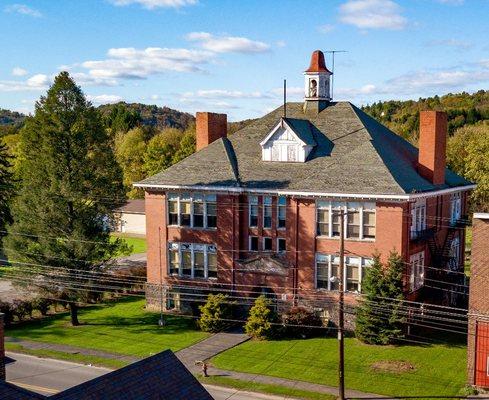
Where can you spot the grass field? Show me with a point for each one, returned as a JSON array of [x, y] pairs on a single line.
[[437, 369], [136, 244], [123, 327]]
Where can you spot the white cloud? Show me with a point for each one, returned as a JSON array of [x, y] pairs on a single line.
[[23, 9], [227, 44], [153, 4], [34, 83], [456, 43], [326, 28], [131, 63], [17, 71], [104, 98], [224, 94], [372, 14], [281, 43]]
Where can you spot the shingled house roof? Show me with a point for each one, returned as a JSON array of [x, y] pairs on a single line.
[[9, 391], [161, 377], [354, 155]]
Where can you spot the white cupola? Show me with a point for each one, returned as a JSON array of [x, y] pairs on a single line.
[[317, 79]]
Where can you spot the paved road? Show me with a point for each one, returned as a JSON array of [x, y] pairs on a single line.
[[48, 377]]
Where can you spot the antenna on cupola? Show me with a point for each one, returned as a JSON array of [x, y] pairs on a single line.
[[285, 98], [333, 52]]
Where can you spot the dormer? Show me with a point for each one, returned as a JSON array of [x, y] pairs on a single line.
[[291, 140]]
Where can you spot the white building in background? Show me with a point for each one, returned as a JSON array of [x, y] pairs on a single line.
[[131, 218]]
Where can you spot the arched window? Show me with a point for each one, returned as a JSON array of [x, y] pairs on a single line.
[[313, 88]]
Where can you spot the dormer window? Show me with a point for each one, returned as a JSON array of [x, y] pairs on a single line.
[[291, 140]]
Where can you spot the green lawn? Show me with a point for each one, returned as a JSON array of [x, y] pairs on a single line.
[[136, 244], [123, 327], [438, 369]]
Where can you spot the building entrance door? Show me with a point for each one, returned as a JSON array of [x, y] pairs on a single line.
[[482, 355]]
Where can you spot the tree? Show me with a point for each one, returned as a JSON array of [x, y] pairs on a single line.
[[261, 320], [121, 119], [214, 313], [130, 149], [161, 150], [467, 152], [6, 189], [378, 317], [70, 183], [187, 145]]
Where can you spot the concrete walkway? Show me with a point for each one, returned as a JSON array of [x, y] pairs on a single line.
[[209, 348]]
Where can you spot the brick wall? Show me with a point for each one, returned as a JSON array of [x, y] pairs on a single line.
[[479, 283], [209, 127]]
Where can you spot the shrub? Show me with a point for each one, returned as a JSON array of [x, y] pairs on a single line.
[[214, 313], [42, 305], [21, 308], [6, 309], [261, 319], [300, 322]]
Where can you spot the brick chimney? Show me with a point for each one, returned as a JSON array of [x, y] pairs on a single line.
[[432, 146], [209, 128], [2, 349]]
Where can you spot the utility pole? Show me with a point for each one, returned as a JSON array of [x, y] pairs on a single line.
[[341, 316], [333, 52]]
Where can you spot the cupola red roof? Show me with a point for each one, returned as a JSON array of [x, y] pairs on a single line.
[[317, 63]]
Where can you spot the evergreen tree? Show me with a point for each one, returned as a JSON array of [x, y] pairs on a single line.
[[214, 313], [260, 323], [378, 316], [70, 183], [6, 189]]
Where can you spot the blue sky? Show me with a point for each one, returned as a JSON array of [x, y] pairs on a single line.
[[231, 56]]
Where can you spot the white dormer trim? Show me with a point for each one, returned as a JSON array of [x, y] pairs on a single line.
[[295, 150]]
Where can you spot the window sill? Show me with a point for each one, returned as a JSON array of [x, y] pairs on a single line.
[[192, 228], [194, 278], [369, 240], [335, 291]]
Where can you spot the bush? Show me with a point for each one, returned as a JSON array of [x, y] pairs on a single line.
[[6, 309], [261, 320], [21, 308], [42, 305], [214, 313], [302, 323]]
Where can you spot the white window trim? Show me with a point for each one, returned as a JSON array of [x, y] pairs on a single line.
[[363, 262], [194, 197], [416, 276], [278, 211], [263, 243], [271, 211], [343, 206], [278, 247], [418, 217], [455, 207], [249, 243], [207, 250], [250, 204]]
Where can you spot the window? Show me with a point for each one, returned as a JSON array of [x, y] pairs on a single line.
[[267, 212], [359, 222], [199, 261], [417, 271], [174, 260], [211, 210], [455, 207], [173, 209], [253, 200], [327, 272], [281, 211], [253, 243], [198, 212], [192, 210], [192, 260], [418, 217], [281, 245], [454, 254], [267, 244]]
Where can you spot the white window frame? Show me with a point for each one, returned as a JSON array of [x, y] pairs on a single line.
[[455, 250], [267, 203], [417, 266], [279, 207], [418, 217], [334, 206], [207, 248], [194, 197], [263, 243], [253, 201], [330, 259], [257, 243], [455, 207], [278, 245]]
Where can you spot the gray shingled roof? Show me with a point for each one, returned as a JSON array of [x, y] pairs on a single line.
[[354, 154]]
